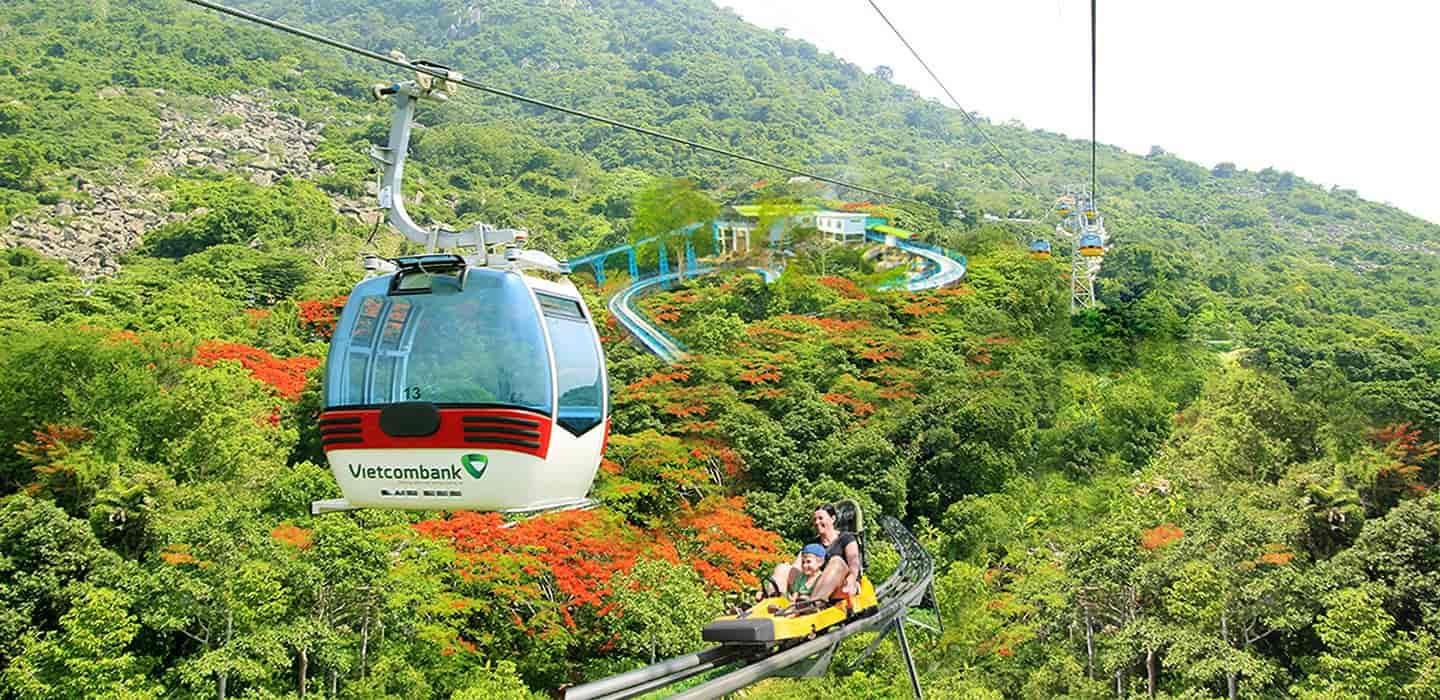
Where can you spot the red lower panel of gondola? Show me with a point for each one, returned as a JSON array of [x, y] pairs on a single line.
[[459, 428]]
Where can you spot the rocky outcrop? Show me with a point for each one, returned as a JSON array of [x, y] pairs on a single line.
[[238, 134], [92, 236]]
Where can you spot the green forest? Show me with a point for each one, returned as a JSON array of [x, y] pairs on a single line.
[[1218, 484]]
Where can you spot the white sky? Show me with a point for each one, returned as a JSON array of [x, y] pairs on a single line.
[[1340, 92]]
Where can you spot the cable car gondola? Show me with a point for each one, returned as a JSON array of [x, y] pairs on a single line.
[[1091, 246], [461, 381], [1040, 249], [451, 385]]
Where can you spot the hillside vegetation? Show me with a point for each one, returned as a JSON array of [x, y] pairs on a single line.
[[1221, 483]]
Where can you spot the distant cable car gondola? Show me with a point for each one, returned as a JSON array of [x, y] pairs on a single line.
[[1040, 249], [453, 382], [1091, 246], [1064, 206]]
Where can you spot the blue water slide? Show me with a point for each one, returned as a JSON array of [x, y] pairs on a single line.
[[622, 306], [942, 268]]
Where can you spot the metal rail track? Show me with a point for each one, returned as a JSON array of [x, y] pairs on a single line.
[[909, 586]]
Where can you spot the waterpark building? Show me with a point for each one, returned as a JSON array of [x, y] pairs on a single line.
[[735, 227], [842, 226]]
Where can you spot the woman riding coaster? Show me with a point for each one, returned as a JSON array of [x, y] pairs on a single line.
[[840, 572], [838, 590]]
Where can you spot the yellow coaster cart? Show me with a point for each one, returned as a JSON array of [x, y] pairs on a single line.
[[776, 620]]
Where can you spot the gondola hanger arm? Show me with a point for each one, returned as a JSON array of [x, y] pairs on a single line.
[[495, 247]]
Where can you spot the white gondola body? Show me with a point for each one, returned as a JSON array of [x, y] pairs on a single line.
[[469, 447]]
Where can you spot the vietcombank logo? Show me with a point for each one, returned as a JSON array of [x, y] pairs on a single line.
[[473, 464]]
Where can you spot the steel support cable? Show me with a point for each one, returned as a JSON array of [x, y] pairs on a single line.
[[946, 90], [1094, 191], [444, 75]]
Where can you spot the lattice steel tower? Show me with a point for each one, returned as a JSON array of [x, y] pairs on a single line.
[[1083, 225]]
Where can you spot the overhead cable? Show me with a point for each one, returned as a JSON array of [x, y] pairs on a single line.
[[946, 90], [443, 74], [1094, 192]]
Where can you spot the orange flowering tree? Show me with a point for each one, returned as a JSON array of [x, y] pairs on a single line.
[[285, 376], [1407, 455], [724, 544], [844, 285], [671, 400], [58, 473], [541, 587], [1160, 535], [556, 586], [856, 395], [318, 317]]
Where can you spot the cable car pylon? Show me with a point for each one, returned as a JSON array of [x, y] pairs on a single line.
[[1082, 224], [1085, 225]]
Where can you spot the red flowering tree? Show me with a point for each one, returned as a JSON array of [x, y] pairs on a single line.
[[1398, 466], [56, 473], [647, 476], [844, 285], [724, 543], [761, 370], [922, 305], [543, 585], [319, 317], [286, 377], [669, 397], [558, 581], [855, 394], [1160, 536]]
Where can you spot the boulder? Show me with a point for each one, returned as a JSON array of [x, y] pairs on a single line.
[[99, 231]]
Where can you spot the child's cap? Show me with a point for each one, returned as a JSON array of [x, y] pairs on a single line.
[[815, 549]]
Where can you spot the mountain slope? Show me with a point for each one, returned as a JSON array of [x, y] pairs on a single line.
[[699, 72], [1241, 438]]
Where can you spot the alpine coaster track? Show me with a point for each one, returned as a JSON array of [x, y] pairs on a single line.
[[910, 585]]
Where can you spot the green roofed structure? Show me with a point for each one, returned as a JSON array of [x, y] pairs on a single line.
[[894, 231]]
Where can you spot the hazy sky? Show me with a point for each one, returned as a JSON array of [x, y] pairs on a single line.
[[1341, 93]]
